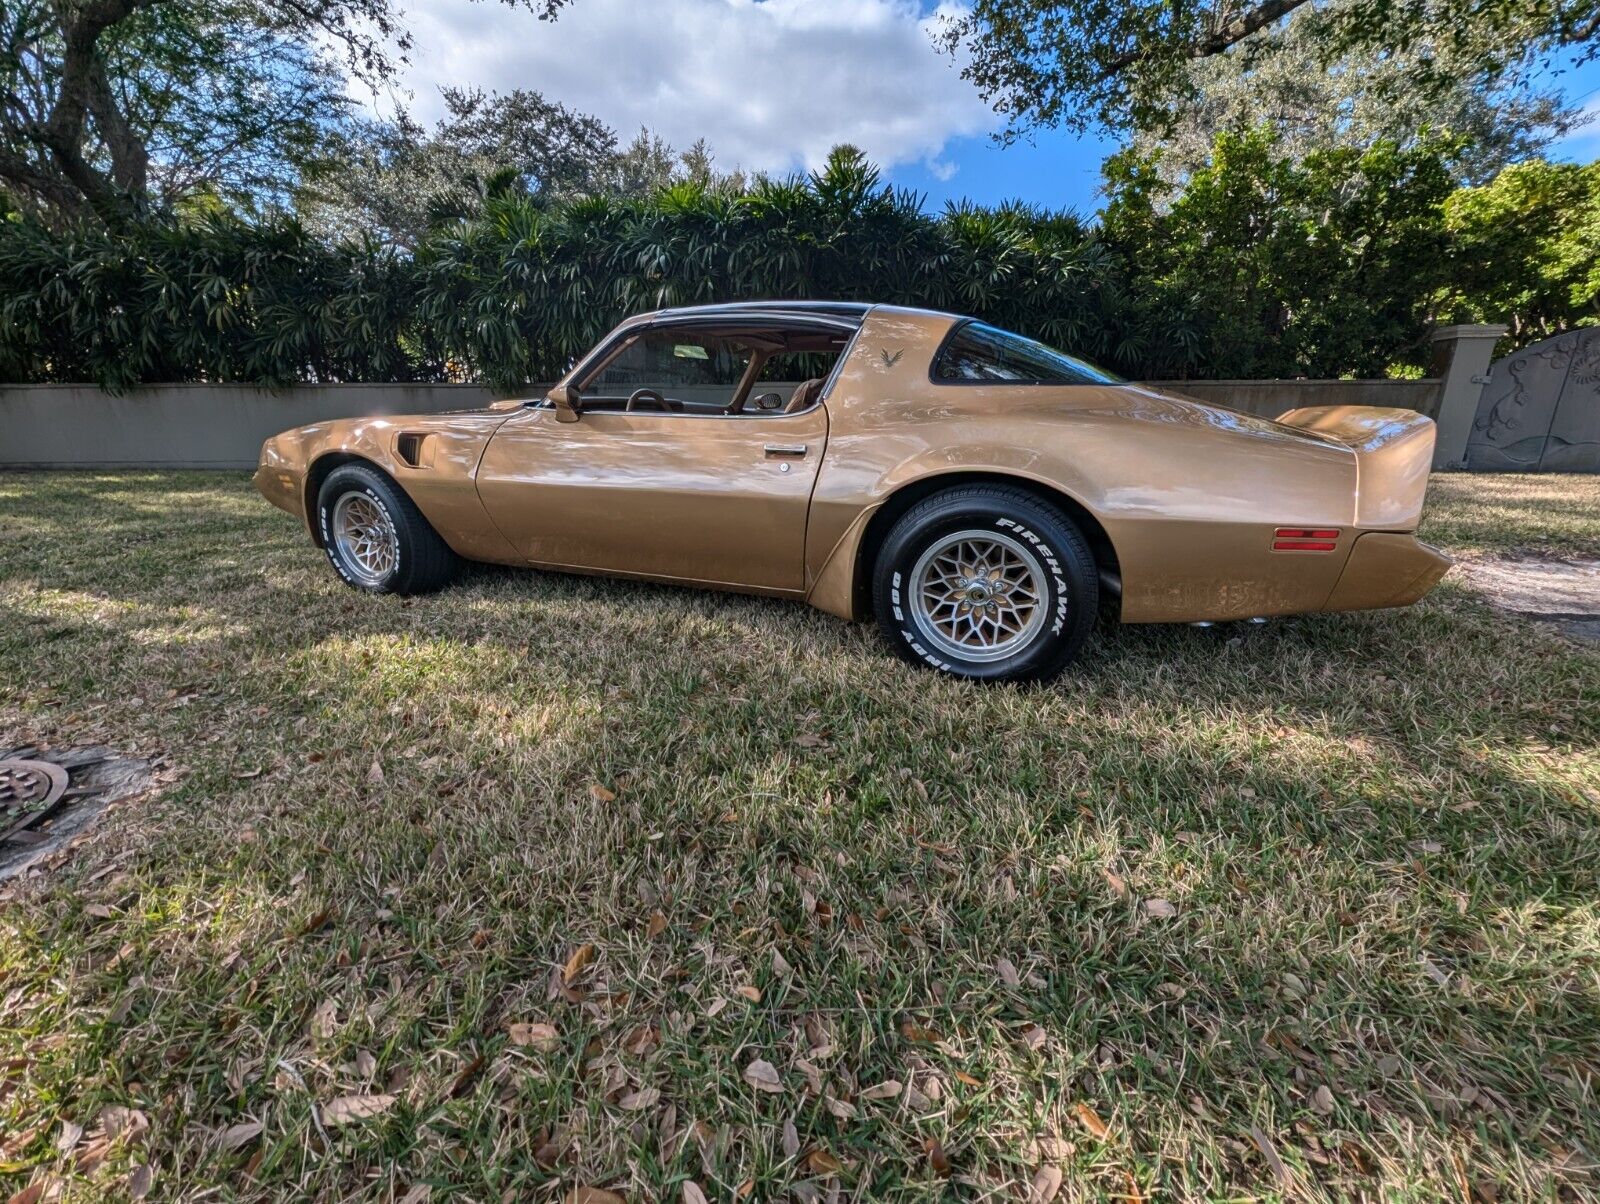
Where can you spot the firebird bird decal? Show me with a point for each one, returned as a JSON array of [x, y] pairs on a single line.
[[889, 361]]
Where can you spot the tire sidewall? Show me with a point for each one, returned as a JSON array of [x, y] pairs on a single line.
[[344, 481], [1046, 539]]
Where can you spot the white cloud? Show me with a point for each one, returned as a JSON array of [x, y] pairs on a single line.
[[771, 84], [1584, 142]]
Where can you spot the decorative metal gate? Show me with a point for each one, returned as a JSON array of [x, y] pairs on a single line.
[[1540, 411]]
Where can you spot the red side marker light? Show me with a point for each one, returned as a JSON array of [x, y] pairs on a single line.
[[1304, 539]]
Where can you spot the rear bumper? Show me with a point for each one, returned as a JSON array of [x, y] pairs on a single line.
[[1386, 569]]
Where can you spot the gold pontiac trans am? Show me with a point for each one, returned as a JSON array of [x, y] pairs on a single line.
[[978, 493]]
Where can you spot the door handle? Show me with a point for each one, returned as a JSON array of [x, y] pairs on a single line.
[[785, 449]]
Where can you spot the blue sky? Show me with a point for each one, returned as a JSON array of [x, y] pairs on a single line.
[[773, 84], [1061, 170]]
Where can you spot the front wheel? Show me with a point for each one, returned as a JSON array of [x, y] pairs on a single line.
[[986, 582], [376, 538]]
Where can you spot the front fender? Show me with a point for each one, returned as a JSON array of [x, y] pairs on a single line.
[[433, 458]]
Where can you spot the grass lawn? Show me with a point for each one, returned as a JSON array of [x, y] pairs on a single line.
[[584, 885]]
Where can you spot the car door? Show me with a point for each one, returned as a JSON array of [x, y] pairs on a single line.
[[698, 495]]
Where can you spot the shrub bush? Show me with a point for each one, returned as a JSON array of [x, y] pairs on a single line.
[[1260, 267]]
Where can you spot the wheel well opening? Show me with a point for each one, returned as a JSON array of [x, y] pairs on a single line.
[[885, 517], [319, 471]]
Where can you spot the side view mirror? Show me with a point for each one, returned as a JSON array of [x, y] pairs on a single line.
[[565, 400]]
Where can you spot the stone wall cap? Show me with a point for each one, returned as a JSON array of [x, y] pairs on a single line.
[[1469, 330]]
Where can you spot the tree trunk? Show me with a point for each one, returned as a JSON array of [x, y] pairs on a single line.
[[83, 93]]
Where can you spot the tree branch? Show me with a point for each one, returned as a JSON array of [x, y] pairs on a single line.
[[1229, 34], [42, 185], [82, 85], [130, 158]]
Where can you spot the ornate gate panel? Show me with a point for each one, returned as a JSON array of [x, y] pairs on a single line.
[[1540, 411]]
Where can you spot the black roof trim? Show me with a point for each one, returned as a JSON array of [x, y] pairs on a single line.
[[831, 309]]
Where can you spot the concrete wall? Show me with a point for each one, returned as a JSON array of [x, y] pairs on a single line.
[[222, 426], [1269, 398], [189, 426]]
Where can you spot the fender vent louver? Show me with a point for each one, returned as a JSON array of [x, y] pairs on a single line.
[[413, 449]]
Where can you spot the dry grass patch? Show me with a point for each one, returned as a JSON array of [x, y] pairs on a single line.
[[550, 883], [1547, 513]]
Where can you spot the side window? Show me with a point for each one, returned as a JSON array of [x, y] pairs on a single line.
[[981, 354], [700, 371]]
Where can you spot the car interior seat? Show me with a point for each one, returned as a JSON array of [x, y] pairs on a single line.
[[804, 395]]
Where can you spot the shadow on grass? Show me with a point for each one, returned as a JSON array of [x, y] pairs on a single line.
[[1376, 835]]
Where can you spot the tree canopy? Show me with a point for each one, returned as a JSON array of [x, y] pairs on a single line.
[[1526, 249], [1309, 104], [1126, 63], [108, 106], [395, 180]]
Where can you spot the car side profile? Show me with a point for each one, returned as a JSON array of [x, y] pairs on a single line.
[[978, 493]]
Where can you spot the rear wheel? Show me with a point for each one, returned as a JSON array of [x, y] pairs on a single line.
[[986, 582], [376, 538]]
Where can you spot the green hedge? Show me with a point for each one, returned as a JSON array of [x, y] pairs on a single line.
[[513, 296]]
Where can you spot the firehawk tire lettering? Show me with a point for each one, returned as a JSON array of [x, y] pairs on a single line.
[[422, 561], [1063, 568]]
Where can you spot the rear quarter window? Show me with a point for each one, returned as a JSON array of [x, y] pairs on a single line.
[[979, 354]]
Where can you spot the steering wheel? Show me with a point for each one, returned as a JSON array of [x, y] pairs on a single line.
[[649, 397]]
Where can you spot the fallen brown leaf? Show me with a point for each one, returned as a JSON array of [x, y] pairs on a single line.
[[240, 1134], [581, 957], [763, 1076], [464, 1079], [1159, 909], [325, 1020], [601, 795], [71, 1134], [119, 1121], [820, 1162], [1046, 1183], [140, 1179], [538, 1035], [937, 1158], [1270, 1153], [692, 1193], [316, 923], [888, 1089], [753, 994], [1090, 1119], [592, 1195], [638, 1101], [839, 1108], [348, 1109], [658, 925]]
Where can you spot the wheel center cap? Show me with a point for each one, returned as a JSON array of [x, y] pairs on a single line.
[[978, 592]]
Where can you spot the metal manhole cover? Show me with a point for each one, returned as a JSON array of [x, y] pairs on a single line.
[[30, 783]]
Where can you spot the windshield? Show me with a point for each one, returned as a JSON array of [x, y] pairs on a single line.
[[981, 354]]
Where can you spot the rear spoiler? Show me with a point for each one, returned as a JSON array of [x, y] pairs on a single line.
[[1394, 454]]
